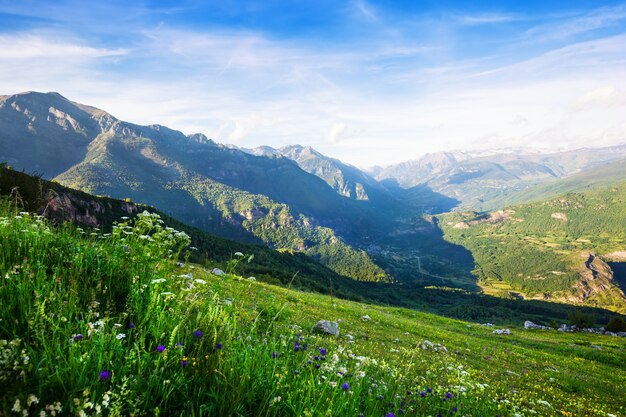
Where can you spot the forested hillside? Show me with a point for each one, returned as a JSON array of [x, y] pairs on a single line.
[[555, 249]]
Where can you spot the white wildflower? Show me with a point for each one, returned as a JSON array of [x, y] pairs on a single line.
[[158, 280], [120, 336], [200, 281], [238, 254], [32, 399], [17, 407]]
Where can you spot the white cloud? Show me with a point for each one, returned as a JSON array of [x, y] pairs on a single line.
[[336, 133], [485, 19], [595, 19], [35, 46]]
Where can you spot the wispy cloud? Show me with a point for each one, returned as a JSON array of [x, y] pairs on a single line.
[[601, 18], [31, 46], [486, 19]]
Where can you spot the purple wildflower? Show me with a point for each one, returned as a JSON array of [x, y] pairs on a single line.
[[454, 410], [105, 375], [79, 336], [160, 348], [274, 355], [296, 346], [423, 394], [322, 351], [449, 395], [345, 386], [296, 372], [183, 362], [218, 345], [131, 326], [390, 415], [317, 366], [197, 333]]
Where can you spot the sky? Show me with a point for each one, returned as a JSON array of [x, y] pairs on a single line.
[[370, 83]]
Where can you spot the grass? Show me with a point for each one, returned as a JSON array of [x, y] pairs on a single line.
[[108, 324]]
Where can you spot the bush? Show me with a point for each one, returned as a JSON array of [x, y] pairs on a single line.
[[616, 324], [581, 320]]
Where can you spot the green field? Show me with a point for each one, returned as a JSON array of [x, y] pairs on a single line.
[[106, 324]]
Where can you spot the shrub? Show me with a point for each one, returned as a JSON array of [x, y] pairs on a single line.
[[616, 324], [581, 320]]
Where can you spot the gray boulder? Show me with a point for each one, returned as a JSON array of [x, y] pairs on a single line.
[[327, 327], [218, 272]]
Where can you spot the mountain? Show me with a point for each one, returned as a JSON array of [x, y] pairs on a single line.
[[596, 177], [218, 189], [345, 179], [479, 182], [569, 248]]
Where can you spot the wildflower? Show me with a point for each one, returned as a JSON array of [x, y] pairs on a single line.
[[32, 400], [296, 372], [131, 326], [179, 345], [160, 348], [274, 355], [238, 254], [454, 410], [345, 386], [79, 336], [183, 361], [218, 345], [296, 346], [322, 351], [104, 375], [120, 336], [17, 407], [198, 333], [423, 394], [390, 415], [449, 395], [317, 366]]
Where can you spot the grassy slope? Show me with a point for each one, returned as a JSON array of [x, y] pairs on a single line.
[[532, 252], [53, 279]]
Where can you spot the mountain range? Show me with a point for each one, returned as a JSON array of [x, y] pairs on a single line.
[[380, 225]]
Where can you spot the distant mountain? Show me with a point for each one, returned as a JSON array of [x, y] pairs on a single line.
[[346, 179], [477, 181]]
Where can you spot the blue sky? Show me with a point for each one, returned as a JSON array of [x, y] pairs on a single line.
[[367, 82]]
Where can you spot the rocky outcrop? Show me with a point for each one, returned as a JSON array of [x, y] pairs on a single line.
[[596, 277]]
